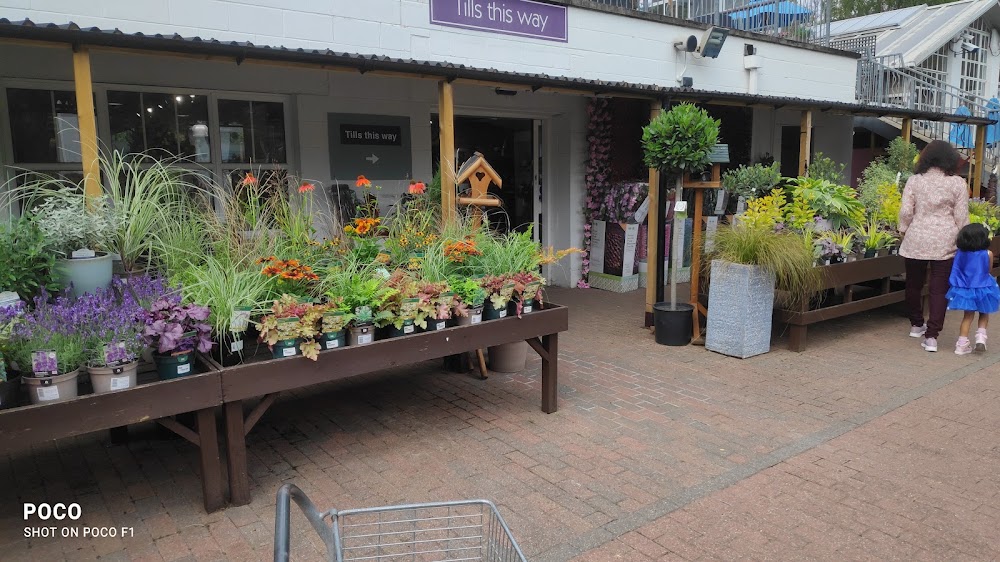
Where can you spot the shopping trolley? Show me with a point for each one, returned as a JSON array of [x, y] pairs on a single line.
[[426, 532]]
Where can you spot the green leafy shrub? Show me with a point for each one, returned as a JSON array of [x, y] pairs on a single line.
[[752, 181], [823, 168], [837, 203], [680, 140], [27, 265]]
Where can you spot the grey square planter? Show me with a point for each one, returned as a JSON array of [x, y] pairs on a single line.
[[740, 304]]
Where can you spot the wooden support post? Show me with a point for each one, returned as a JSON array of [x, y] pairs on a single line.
[[654, 231], [906, 130], [87, 122], [236, 454], [211, 466], [980, 163], [550, 374], [446, 122], [805, 141]]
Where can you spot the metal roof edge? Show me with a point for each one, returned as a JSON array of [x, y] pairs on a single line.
[[74, 35]]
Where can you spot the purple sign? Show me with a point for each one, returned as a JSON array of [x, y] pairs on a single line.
[[511, 17]]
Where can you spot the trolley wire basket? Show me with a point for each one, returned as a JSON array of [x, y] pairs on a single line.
[[427, 532]]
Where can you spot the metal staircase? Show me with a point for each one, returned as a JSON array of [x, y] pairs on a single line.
[[885, 81]]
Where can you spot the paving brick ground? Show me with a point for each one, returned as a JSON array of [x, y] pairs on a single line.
[[862, 447]]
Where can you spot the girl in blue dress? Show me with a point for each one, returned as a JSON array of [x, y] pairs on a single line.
[[973, 289]]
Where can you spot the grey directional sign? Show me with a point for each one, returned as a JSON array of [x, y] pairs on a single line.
[[376, 146]]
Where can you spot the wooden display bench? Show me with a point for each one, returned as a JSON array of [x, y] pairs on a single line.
[[846, 276], [265, 379], [150, 400]]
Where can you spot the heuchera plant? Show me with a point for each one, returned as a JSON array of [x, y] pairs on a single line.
[[305, 328], [173, 327], [498, 289]]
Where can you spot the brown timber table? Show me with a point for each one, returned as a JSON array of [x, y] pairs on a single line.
[[845, 276], [540, 329], [159, 401]]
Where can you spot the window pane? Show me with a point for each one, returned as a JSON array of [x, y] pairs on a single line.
[[161, 122], [31, 124], [192, 122], [125, 116], [269, 132], [67, 127], [234, 130]]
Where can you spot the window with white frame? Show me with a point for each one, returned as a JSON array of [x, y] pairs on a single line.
[[973, 77]]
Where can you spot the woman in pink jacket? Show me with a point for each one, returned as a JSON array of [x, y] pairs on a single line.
[[935, 207]]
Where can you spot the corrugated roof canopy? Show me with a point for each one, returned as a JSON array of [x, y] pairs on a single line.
[[239, 51]]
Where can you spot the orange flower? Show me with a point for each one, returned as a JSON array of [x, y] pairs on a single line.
[[417, 188], [363, 182], [248, 179], [306, 187], [271, 271], [266, 260]]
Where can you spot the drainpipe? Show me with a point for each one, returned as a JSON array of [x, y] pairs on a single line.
[[752, 63]]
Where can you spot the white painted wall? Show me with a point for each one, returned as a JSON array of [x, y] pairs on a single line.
[[601, 45]]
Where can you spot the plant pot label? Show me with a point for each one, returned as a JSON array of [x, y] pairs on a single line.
[[120, 383], [184, 369], [527, 308], [477, 318], [502, 313], [82, 254], [408, 329], [332, 344], [447, 298], [409, 307], [47, 393], [114, 353], [236, 346], [440, 325], [365, 339], [287, 351], [239, 320], [894, 252], [44, 363]]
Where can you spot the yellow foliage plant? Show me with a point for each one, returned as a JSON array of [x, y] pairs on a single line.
[[765, 211], [890, 200]]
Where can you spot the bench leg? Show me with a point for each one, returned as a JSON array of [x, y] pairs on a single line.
[[211, 466], [550, 374], [797, 338], [118, 435], [236, 454]]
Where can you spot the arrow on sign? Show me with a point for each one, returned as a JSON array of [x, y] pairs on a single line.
[[373, 159]]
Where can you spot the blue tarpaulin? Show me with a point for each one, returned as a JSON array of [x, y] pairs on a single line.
[[993, 112], [763, 14], [960, 134]]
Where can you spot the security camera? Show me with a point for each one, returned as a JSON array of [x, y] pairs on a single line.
[[969, 47]]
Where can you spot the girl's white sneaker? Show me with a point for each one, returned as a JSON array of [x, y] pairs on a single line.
[[981, 341]]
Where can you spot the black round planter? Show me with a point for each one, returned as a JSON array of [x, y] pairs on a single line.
[[434, 325], [491, 313], [230, 350], [673, 327], [10, 391]]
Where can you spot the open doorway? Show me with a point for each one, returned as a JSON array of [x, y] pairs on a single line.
[[509, 146]]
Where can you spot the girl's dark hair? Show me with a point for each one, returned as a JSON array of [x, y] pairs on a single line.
[[973, 238], [941, 155]]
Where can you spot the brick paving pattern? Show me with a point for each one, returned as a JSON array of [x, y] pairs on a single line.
[[862, 447]]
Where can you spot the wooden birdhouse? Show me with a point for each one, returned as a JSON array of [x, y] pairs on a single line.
[[478, 172]]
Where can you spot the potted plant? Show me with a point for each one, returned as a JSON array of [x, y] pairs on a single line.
[[527, 292], [47, 341], [10, 386], [499, 292], [826, 251], [678, 141], [10, 380], [469, 299], [436, 302], [363, 291], [751, 182], [747, 264], [175, 331], [876, 239], [27, 265], [333, 325], [837, 206], [400, 313], [292, 328], [112, 326], [76, 233], [844, 239]]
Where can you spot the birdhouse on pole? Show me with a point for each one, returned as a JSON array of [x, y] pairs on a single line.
[[478, 172]]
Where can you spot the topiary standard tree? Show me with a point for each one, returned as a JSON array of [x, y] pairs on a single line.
[[678, 141]]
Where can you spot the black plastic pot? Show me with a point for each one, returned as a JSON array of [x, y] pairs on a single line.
[[286, 348], [230, 350], [174, 366], [333, 340], [434, 325], [673, 327], [10, 391], [491, 313]]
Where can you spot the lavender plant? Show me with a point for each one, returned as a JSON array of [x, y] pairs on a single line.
[[51, 326], [113, 320]]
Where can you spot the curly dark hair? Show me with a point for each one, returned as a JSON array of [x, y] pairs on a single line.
[[941, 155], [973, 237]]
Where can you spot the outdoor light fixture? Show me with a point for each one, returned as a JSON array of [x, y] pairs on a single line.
[[711, 42]]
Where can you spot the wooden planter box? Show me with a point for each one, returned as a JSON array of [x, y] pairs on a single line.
[[845, 276], [152, 399], [265, 379]]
